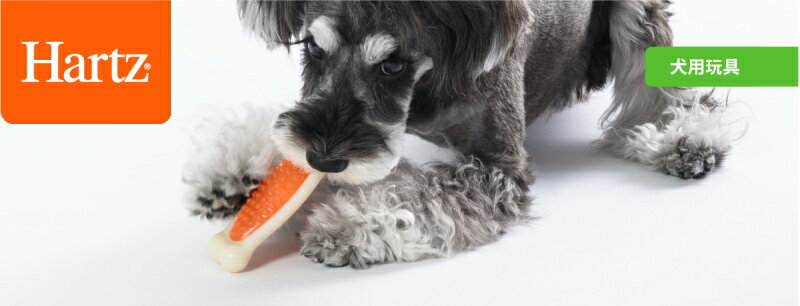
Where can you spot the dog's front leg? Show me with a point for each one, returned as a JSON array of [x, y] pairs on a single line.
[[415, 213]]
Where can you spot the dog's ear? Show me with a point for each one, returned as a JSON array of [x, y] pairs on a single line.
[[277, 22], [472, 38]]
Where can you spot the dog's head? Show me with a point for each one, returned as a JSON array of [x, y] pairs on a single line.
[[364, 62]]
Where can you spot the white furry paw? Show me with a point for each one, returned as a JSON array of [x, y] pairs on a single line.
[[231, 156], [224, 198], [335, 241], [692, 159], [359, 233], [332, 251]]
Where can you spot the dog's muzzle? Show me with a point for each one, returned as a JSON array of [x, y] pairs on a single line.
[[324, 164]]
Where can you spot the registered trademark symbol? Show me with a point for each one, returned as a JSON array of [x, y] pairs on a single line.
[[147, 66]]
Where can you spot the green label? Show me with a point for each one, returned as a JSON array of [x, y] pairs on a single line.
[[720, 66]]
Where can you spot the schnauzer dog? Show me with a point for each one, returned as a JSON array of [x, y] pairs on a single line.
[[469, 76]]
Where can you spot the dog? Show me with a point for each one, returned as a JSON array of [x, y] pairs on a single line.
[[469, 76]]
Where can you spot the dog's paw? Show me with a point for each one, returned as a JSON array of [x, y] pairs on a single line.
[[230, 156], [332, 252], [223, 198], [692, 159], [333, 239]]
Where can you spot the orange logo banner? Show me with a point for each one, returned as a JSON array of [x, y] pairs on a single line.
[[85, 61]]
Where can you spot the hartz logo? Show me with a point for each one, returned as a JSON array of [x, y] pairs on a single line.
[[77, 61], [83, 69]]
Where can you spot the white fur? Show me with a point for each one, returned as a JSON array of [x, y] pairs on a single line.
[[358, 171], [649, 143], [361, 171], [289, 148], [262, 25], [424, 66], [377, 47], [496, 54], [225, 150], [324, 31]]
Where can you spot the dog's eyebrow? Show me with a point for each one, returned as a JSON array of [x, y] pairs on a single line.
[[324, 31], [378, 47]]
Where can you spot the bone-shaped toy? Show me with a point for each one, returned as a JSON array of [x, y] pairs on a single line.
[[275, 199]]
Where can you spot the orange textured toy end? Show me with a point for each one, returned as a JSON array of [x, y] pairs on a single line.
[[274, 191]]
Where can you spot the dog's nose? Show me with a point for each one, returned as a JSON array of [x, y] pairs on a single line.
[[325, 164]]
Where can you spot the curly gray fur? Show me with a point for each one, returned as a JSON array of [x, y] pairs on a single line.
[[415, 213]]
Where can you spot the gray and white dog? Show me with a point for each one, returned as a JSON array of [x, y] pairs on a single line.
[[465, 75]]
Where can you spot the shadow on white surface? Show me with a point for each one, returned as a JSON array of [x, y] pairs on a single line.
[[561, 145], [280, 245]]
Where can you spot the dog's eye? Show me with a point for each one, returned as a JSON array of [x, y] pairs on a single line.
[[314, 50], [392, 66]]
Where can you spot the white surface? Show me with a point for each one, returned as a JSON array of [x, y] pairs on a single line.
[[92, 214]]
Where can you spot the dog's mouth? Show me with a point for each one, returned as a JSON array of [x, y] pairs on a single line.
[[372, 161]]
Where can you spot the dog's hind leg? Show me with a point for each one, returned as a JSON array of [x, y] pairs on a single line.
[[678, 131]]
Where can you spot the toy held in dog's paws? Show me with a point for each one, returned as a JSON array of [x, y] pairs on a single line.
[[278, 196]]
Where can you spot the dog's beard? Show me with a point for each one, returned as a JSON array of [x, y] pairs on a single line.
[[359, 170], [379, 161]]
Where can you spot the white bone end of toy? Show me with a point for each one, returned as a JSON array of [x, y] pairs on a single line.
[[232, 256]]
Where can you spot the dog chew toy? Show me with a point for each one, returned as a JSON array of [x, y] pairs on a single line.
[[278, 196]]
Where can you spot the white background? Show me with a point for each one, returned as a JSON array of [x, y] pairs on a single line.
[[93, 214]]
